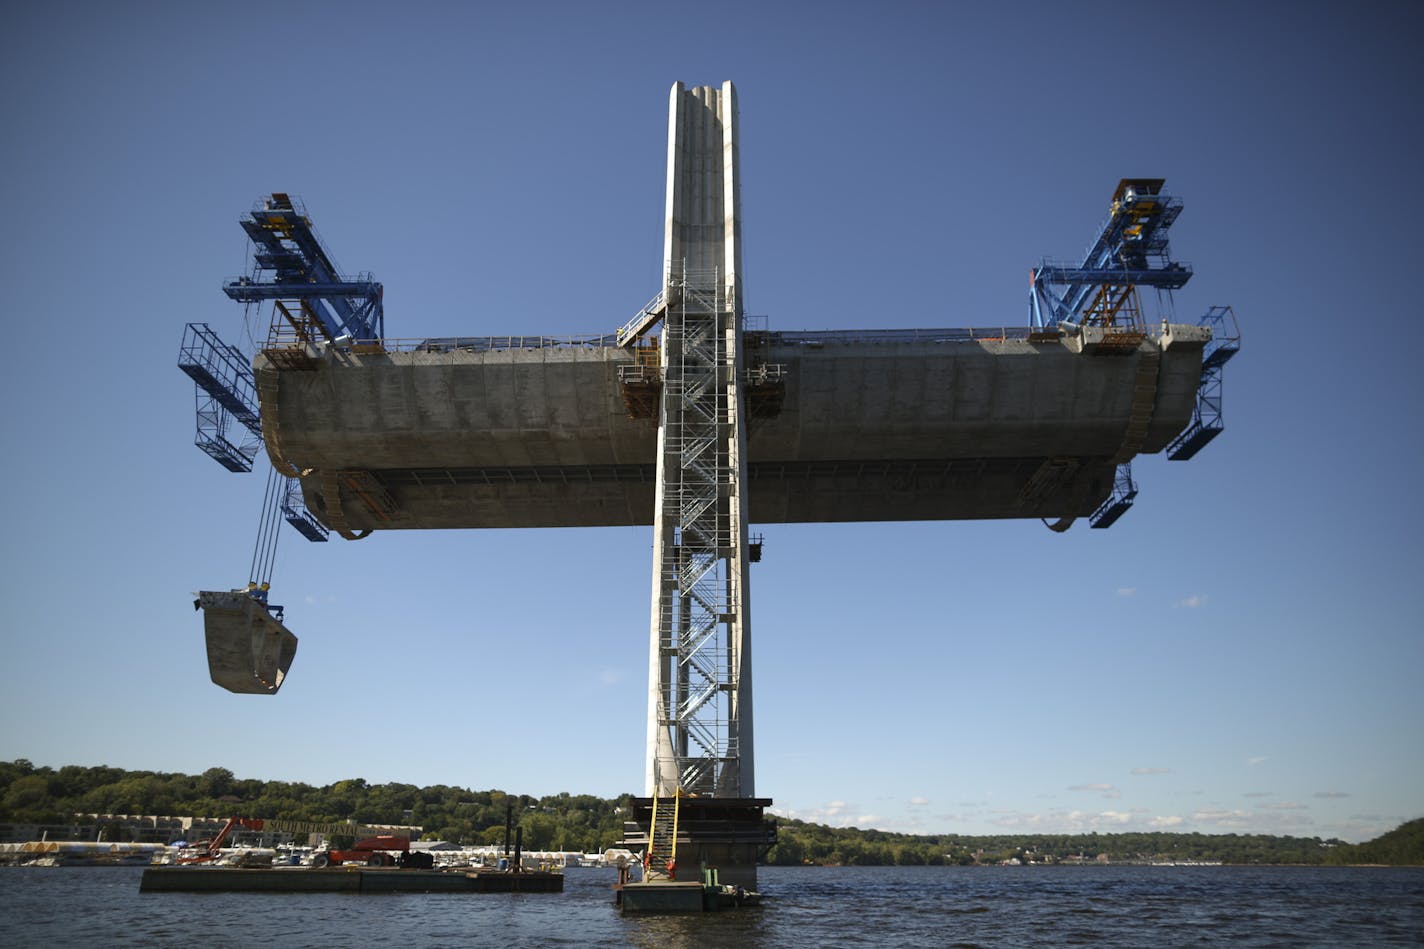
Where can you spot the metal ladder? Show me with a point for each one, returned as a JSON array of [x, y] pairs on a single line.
[[662, 837]]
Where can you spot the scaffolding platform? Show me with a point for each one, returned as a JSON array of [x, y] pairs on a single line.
[[249, 650]]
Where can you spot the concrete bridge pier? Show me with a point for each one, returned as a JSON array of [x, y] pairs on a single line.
[[700, 775]]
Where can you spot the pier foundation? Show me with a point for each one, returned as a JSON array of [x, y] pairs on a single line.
[[729, 835]]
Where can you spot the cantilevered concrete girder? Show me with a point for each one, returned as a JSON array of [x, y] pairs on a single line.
[[874, 426]]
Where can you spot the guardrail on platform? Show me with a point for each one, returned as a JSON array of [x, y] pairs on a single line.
[[482, 344]]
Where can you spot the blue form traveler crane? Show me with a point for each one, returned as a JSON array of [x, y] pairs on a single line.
[[316, 302], [249, 648], [1130, 250], [316, 307]]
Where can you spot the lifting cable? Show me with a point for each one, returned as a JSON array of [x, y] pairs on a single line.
[[264, 553]]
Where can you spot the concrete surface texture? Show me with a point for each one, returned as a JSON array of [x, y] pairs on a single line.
[[249, 651], [898, 430]]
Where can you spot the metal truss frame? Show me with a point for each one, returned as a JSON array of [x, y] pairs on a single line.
[[700, 587]]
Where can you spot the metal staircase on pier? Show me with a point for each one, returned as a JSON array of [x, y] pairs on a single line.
[[662, 835]]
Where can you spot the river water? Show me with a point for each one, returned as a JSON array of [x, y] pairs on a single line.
[[805, 906]]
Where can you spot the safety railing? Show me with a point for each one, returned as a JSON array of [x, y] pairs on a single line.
[[961, 335], [482, 344]]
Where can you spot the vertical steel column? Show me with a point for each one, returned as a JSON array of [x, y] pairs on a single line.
[[699, 709]]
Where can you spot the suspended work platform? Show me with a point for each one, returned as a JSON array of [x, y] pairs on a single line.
[[225, 389]]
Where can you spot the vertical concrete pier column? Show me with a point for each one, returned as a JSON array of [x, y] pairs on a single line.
[[699, 693]]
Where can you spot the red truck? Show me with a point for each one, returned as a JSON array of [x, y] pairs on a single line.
[[376, 852]]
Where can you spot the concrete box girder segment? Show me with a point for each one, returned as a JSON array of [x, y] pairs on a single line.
[[538, 436]]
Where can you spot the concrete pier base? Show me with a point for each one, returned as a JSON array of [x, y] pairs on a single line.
[[661, 896], [726, 834]]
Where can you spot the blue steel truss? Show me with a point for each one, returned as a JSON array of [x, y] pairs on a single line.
[[290, 263], [223, 372], [1124, 492], [226, 394], [294, 509], [1129, 251], [216, 432], [229, 415], [1207, 420]]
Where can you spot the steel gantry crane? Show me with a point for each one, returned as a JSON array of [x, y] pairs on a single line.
[[249, 647], [1130, 250]]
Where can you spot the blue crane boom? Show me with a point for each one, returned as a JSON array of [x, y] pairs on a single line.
[[311, 298], [302, 273], [1130, 250]]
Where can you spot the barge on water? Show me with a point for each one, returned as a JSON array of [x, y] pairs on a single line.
[[353, 879], [672, 896]]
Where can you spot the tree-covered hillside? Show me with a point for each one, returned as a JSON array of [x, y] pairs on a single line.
[[565, 822], [582, 822], [1403, 846]]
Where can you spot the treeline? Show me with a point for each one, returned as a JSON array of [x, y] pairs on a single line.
[[1401, 847], [582, 822], [564, 822], [817, 843]]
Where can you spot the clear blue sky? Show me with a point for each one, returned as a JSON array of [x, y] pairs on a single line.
[[1241, 652]]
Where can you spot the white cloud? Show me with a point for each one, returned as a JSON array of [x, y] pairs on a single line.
[[1264, 820], [1151, 771], [1165, 821], [1221, 818], [919, 801], [1126, 591], [832, 814], [1257, 759], [1066, 821], [1283, 806], [1108, 790], [1191, 602]]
